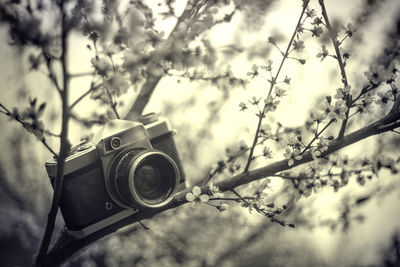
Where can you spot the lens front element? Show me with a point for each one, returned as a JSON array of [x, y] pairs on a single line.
[[154, 179], [145, 178], [148, 181]]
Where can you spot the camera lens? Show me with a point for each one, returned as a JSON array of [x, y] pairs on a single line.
[[148, 181], [154, 178], [146, 178]]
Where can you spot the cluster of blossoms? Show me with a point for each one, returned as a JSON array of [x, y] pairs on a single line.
[[365, 104], [223, 80], [255, 69], [115, 82], [260, 204], [383, 98], [336, 172], [279, 92], [292, 154], [323, 53], [267, 152], [293, 146], [102, 66], [376, 74], [29, 118], [349, 29], [298, 45], [268, 66], [320, 148], [335, 111], [230, 163], [270, 104], [342, 93], [196, 197], [257, 188], [215, 191]]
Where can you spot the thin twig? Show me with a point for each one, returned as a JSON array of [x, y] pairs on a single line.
[[261, 115], [289, 177], [365, 90], [231, 159], [91, 89], [341, 66], [42, 139], [316, 136], [113, 105], [83, 74], [143, 225], [52, 76], [231, 199]]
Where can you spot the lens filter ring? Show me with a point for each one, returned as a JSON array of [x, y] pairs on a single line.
[[153, 179], [119, 170]]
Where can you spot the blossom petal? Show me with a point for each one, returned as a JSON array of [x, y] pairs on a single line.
[[298, 157], [204, 198], [196, 191], [190, 197]]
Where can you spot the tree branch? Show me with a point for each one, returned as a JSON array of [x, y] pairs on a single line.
[[67, 246], [143, 98], [64, 147]]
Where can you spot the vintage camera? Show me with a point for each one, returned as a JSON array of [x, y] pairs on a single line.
[[128, 166]]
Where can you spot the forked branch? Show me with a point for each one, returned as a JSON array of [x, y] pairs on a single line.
[[192, 13], [67, 246]]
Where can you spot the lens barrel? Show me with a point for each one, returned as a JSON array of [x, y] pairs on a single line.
[[143, 178]]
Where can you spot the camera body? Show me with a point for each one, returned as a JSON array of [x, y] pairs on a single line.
[[127, 166]]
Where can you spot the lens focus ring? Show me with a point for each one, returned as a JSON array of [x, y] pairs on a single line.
[[146, 178], [153, 179]]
